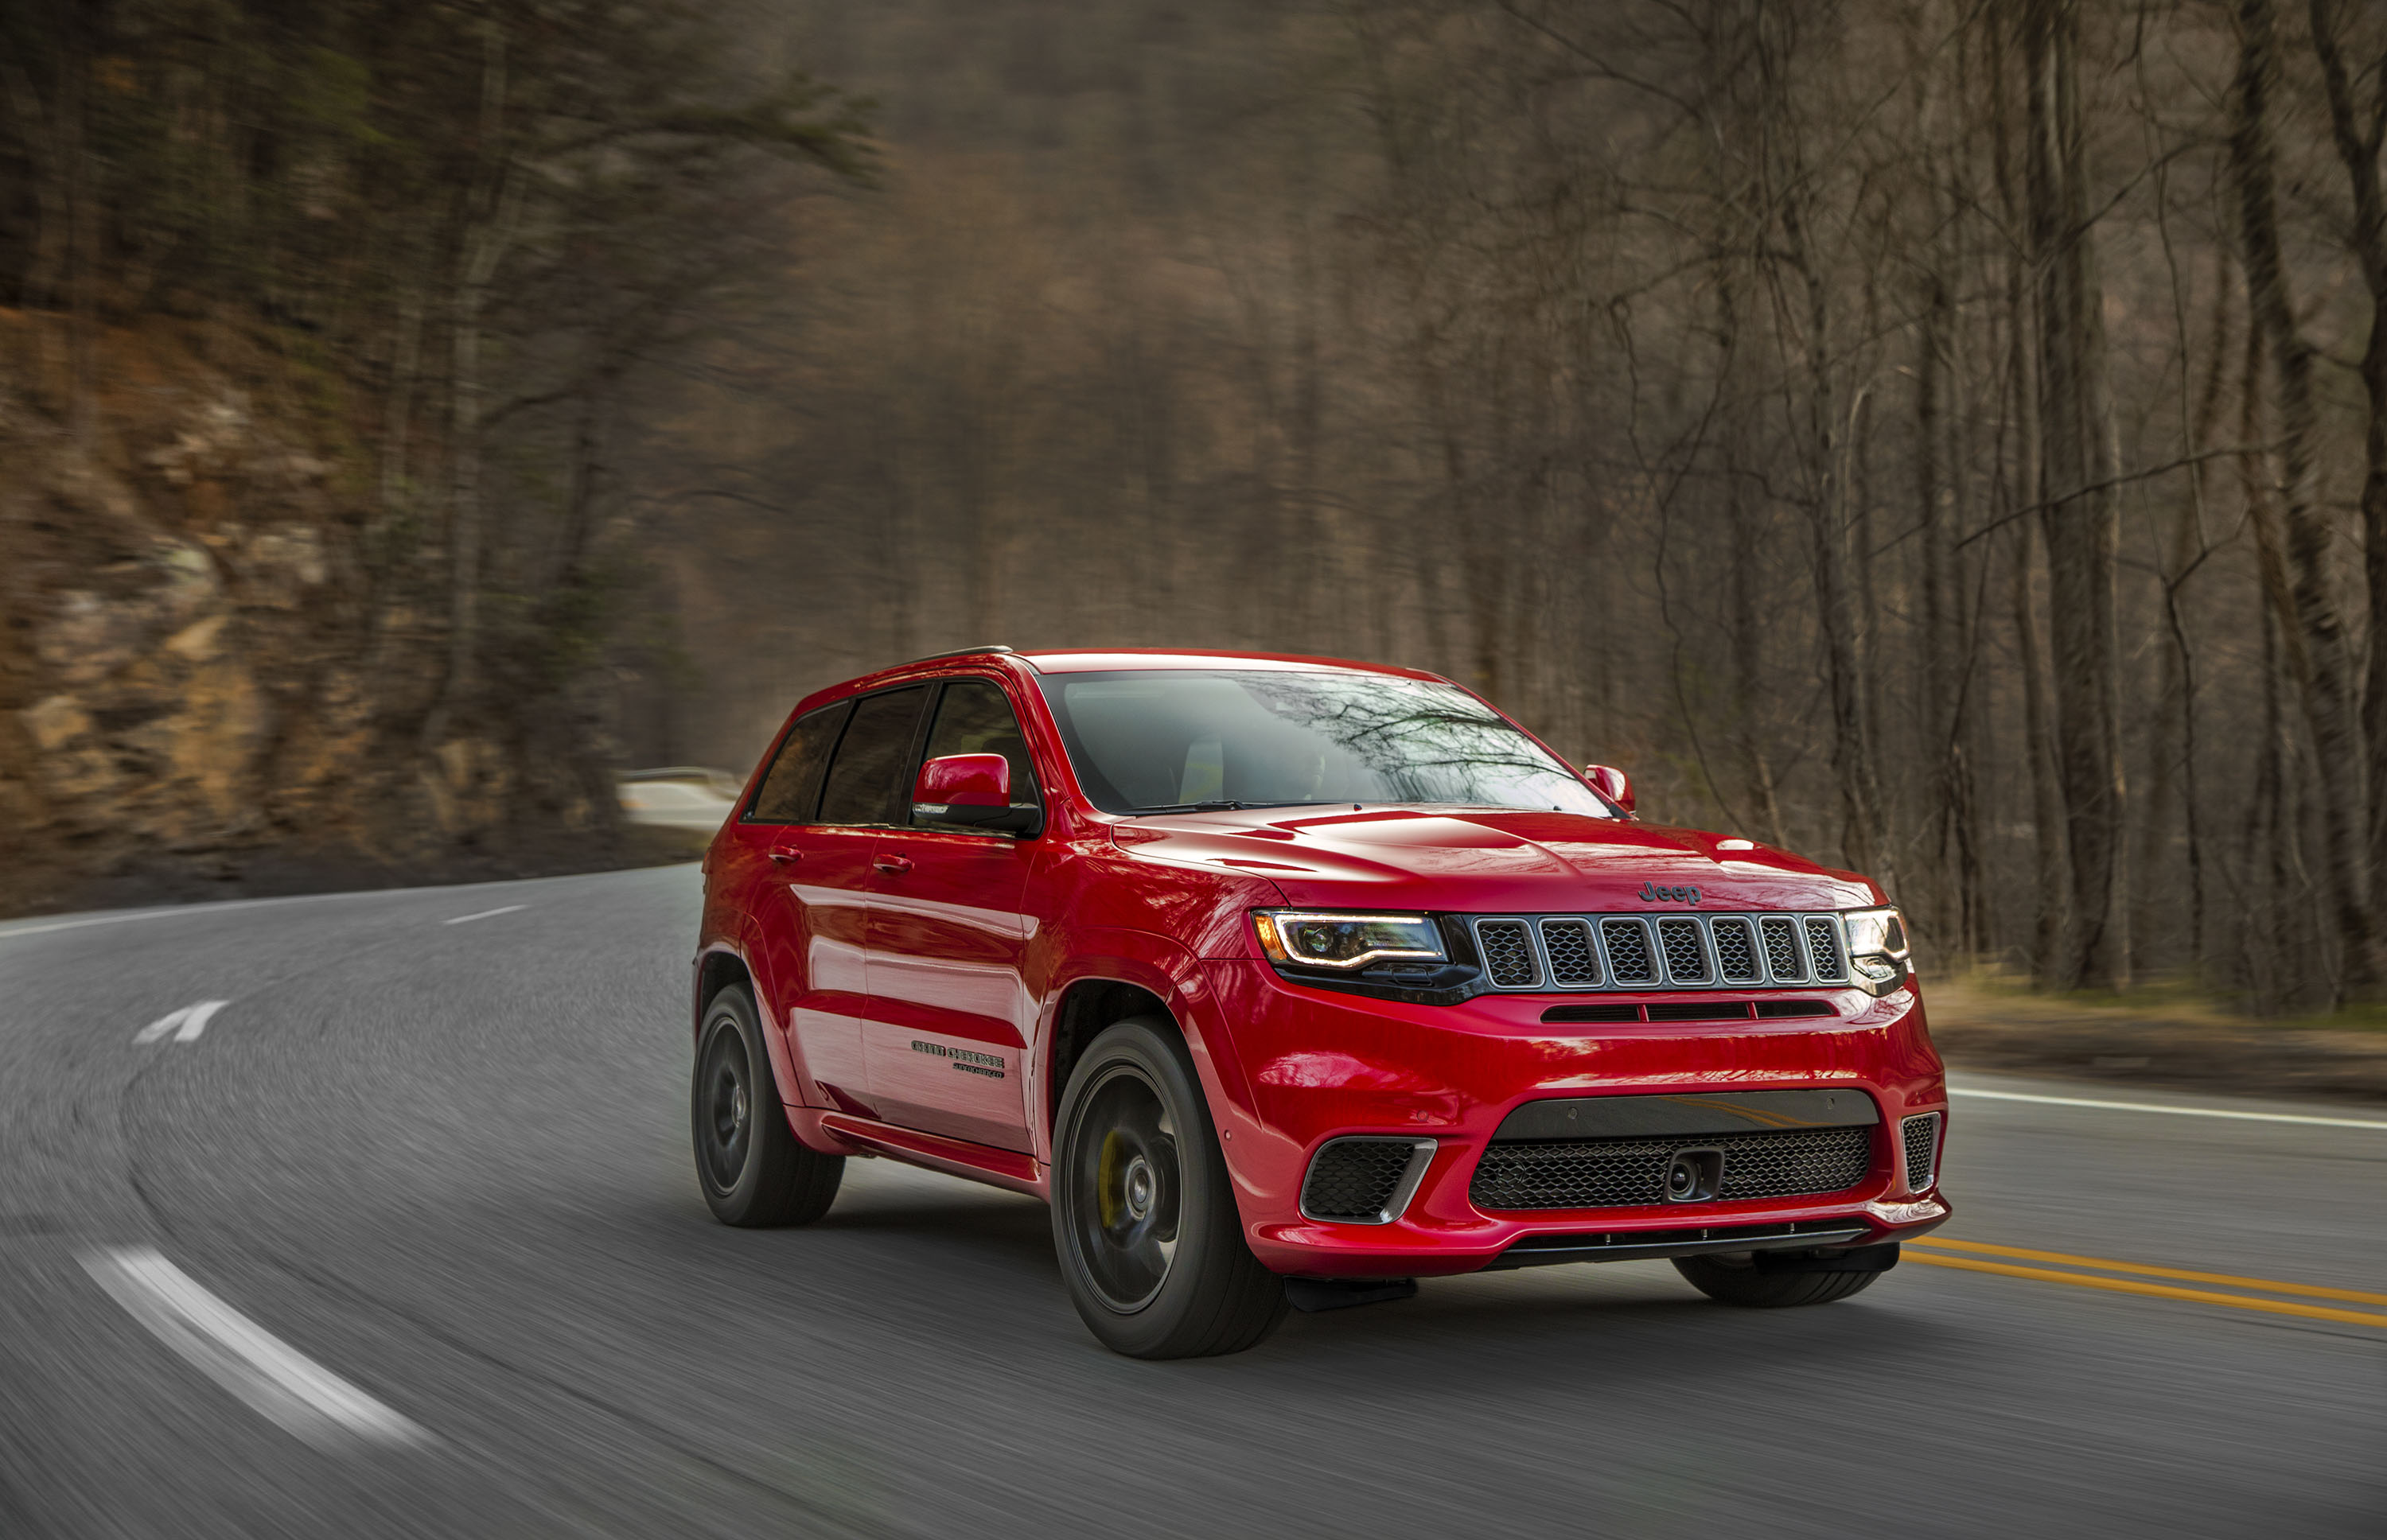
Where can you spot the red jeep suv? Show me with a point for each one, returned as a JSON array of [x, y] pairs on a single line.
[[1286, 981]]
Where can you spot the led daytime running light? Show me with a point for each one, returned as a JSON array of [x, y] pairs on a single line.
[[1281, 934]]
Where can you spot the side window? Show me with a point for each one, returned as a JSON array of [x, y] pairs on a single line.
[[974, 719], [791, 789], [866, 776]]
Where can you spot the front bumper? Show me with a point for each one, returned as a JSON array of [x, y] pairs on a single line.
[[1312, 1064]]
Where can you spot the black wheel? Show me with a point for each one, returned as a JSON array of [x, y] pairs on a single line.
[[754, 1172], [1143, 1213], [1736, 1280]]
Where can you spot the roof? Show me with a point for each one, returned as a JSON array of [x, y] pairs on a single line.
[[1090, 660]]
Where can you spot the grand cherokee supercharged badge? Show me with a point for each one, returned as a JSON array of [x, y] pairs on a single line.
[[990, 1065]]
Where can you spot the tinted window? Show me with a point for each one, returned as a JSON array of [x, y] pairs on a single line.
[[792, 788], [1151, 739], [866, 778], [973, 717]]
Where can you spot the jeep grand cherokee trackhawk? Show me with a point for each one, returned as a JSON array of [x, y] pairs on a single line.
[[1293, 981]]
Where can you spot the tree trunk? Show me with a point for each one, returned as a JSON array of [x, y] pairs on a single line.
[[2357, 136], [2325, 663], [2078, 507]]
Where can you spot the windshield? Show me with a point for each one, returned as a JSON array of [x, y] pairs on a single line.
[[1181, 739]]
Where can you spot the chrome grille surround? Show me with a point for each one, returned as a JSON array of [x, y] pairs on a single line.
[[1598, 952]]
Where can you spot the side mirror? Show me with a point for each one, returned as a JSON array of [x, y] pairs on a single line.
[[974, 789], [1611, 783]]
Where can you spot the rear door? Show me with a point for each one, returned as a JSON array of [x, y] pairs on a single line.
[[818, 843], [950, 1012]]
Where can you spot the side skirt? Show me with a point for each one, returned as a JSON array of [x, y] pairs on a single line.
[[1010, 1170]]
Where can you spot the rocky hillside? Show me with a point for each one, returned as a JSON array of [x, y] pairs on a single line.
[[206, 685]]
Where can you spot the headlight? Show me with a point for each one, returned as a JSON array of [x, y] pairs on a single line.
[[1881, 931], [1325, 940], [1877, 947]]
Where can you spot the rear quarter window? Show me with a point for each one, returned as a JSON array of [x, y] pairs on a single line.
[[791, 789]]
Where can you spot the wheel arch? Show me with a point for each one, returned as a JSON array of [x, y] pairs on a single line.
[[1114, 974]]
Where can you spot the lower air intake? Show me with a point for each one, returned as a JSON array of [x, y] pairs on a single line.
[[1615, 1173], [1362, 1180], [1919, 1138]]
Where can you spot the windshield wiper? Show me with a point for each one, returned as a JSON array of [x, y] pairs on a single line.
[[1229, 806]]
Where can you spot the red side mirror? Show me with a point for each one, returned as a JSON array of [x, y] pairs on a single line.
[[964, 780], [1611, 783]]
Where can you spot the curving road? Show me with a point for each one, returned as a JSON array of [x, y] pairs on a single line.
[[401, 1240]]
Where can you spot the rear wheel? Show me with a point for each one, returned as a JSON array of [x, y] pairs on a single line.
[[1143, 1213], [1739, 1280], [754, 1172]]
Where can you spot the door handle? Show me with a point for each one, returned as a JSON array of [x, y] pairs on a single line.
[[785, 854], [893, 865]]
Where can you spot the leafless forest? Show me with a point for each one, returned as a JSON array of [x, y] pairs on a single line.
[[1948, 437]]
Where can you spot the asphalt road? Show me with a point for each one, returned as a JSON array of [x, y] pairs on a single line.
[[441, 1168]]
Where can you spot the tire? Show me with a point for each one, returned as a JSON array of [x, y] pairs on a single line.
[[1745, 1284], [754, 1172], [1143, 1212]]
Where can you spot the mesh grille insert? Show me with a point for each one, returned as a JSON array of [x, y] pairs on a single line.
[[1921, 1138], [1355, 1179], [1735, 952], [1628, 951], [1508, 953], [1782, 949], [1687, 961], [1823, 941], [1568, 943], [1615, 1173]]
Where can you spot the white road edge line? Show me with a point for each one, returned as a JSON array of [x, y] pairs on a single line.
[[2181, 1112], [276, 1380], [186, 1023], [486, 913]]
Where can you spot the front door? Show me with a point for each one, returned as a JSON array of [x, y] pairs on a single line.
[[950, 1013]]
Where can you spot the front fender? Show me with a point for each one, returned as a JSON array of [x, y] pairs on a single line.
[[1169, 971]]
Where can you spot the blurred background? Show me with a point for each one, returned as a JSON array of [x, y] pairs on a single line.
[[1948, 440]]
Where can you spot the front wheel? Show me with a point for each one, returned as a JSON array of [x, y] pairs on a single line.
[[754, 1172], [1143, 1212]]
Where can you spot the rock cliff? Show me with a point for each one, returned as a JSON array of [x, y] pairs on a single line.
[[206, 681]]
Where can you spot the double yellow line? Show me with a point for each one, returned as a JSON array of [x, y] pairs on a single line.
[[1938, 1251]]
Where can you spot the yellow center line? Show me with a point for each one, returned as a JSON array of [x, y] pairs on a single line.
[[2264, 1285], [2161, 1291]]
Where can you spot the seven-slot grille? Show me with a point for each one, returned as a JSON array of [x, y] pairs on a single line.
[[1648, 952], [1920, 1137], [1615, 1173]]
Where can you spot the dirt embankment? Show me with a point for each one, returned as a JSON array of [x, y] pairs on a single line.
[[219, 643], [2185, 1046]]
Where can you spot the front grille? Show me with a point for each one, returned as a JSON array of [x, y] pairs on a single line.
[[1921, 1138], [1356, 1179], [1823, 940], [1687, 961], [1508, 954], [1661, 950], [1628, 951], [1568, 945], [1735, 954], [1615, 1173]]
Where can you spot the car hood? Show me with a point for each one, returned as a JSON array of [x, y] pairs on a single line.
[[1490, 861]]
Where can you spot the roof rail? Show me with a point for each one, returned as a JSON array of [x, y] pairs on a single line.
[[956, 652]]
